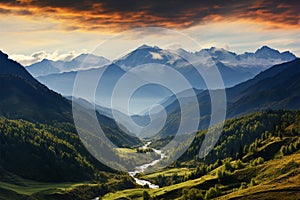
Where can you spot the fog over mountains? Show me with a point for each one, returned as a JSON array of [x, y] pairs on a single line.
[[275, 88], [253, 63], [26, 101], [46, 67], [274, 81], [145, 60], [23, 97]]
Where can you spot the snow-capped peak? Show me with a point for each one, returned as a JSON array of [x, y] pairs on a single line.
[[145, 46]]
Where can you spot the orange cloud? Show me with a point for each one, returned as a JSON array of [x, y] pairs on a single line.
[[117, 15]]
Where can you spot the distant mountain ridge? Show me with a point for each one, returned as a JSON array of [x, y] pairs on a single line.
[[47, 67], [233, 68], [275, 88], [264, 52], [262, 58], [252, 63]]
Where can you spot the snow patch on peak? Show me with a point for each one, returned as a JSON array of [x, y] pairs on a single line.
[[156, 56], [145, 46]]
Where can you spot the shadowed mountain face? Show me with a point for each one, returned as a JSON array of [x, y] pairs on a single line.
[[275, 88], [34, 150], [38, 137], [10, 67], [22, 97]]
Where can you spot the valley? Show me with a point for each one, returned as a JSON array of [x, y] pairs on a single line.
[[149, 100], [42, 156], [269, 166]]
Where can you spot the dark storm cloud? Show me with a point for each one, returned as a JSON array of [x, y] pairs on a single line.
[[97, 14]]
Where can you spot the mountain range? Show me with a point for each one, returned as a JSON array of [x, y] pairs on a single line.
[[252, 63], [46, 67], [233, 68], [40, 145], [39, 140], [275, 88]]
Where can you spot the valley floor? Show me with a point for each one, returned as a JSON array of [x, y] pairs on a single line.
[[274, 179], [13, 187]]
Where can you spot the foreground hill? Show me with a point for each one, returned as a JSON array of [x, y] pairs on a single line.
[[23, 97], [46, 153], [38, 139], [256, 157]]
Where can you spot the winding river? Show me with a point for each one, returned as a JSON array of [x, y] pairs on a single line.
[[142, 168]]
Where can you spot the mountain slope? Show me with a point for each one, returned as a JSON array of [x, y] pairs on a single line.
[[275, 88], [38, 138], [237, 136], [110, 74], [44, 67], [28, 149], [8, 66], [256, 157], [23, 97], [64, 82], [44, 152]]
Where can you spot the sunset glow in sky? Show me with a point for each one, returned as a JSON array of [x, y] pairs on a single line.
[[32, 30]]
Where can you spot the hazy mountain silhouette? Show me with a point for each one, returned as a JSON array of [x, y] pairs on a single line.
[[275, 88]]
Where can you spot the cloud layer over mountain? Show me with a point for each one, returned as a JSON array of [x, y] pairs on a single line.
[[96, 14]]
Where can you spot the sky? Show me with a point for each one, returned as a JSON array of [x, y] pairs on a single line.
[[32, 30]]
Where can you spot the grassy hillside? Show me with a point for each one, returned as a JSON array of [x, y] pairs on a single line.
[[26, 99], [257, 156], [242, 138], [39, 161], [21, 98], [44, 152], [14, 187], [274, 179]]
